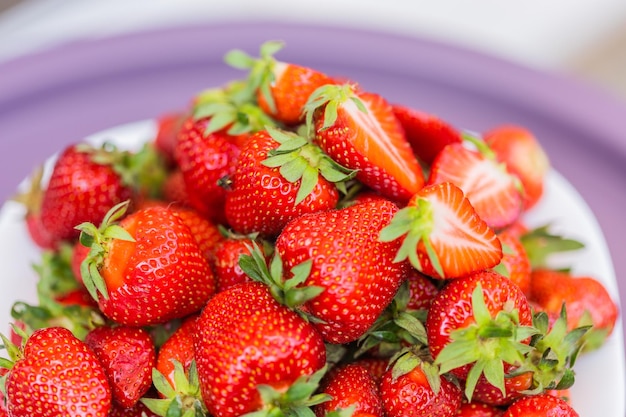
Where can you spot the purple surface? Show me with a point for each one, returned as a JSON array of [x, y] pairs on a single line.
[[54, 98]]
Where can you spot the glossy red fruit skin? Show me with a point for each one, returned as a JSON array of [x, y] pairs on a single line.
[[69, 364], [179, 346], [477, 409], [225, 262], [290, 90], [204, 160], [161, 276], [542, 405], [410, 395], [356, 270], [426, 133], [261, 201], [244, 337], [351, 385], [79, 190], [138, 410], [451, 308], [127, 355], [516, 261]]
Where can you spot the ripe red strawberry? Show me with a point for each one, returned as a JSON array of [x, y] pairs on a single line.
[[245, 338], [524, 157], [515, 263], [31, 199], [353, 267], [359, 130], [175, 189], [443, 235], [147, 269], [204, 158], [427, 133], [586, 299], [514, 388], [476, 409], [485, 307], [3, 408], [205, 232], [168, 127], [179, 347], [138, 410], [281, 88], [127, 355], [541, 405], [412, 388], [270, 187], [492, 190], [351, 385], [225, 259], [79, 190], [72, 371]]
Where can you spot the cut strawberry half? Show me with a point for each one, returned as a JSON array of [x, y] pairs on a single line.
[[427, 133], [443, 235], [493, 191], [359, 130]]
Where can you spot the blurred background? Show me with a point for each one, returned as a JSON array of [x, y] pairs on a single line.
[[584, 38]]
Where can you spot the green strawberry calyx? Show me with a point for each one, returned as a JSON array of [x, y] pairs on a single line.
[[289, 292], [97, 239], [296, 401], [182, 398], [300, 160], [232, 108], [555, 350], [486, 345], [415, 223], [408, 358], [261, 70], [330, 97], [396, 327]]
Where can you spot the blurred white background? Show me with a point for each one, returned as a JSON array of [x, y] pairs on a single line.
[[586, 38]]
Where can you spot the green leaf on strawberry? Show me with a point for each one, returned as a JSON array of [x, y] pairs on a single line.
[[300, 160]]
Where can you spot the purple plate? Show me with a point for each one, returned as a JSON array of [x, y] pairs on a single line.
[[57, 97]]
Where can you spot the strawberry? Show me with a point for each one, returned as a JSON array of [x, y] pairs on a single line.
[[127, 355], [168, 127], [281, 89], [351, 385], [477, 409], [586, 301], [443, 236], [205, 232], [427, 133], [413, 388], [492, 190], [72, 372], [355, 270], [225, 259], [178, 347], [515, 263], [3, 408], [540, 406], [359, 130], [147, 269], [479, 325], [79, 190], [138, 410], [279, 176], [245, 339], [524, 157], [31, 198], [203, 159]]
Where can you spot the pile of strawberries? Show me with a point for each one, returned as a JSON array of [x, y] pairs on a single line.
[[295, 245]]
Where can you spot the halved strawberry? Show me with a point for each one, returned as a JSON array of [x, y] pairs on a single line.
[[443, 235], [524, 157], [359, 130], [492, 190], [427, 133]]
